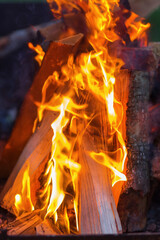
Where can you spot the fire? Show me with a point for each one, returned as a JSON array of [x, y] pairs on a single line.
[[40, 53], [23, 202], [137, 29], [88, 76], [61, 170]]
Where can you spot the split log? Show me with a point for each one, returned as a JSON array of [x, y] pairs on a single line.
[[50, 31], [98, 213], [24, 224], [133, 201], [135, 58], [121, 94], [36, 150], [55, 57], [45, 228]]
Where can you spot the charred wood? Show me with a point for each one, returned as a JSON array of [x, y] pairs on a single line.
[[134, 192], [45, 228], [24, 224]]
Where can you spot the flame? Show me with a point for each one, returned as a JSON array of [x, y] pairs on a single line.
[[23, 202], [137, 29], [90, 80], [40, 53], [61, 169]]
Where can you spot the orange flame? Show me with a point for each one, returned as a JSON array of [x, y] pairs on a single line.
[[40, 53], [23, 202], [137, 29], [57, 177], [89, 74]]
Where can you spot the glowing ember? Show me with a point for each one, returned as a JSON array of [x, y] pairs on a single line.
[[89, 77]]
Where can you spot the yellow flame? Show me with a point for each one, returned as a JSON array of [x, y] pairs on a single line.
[[91, 75], [137, 29], [23, 202], [57, 178], [40, 53]]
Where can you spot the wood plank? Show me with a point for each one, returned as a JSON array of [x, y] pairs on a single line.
[[98, 214], [132, 205], [45, 228], [24, 224]]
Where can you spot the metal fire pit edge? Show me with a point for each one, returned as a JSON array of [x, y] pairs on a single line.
[[127, 236]]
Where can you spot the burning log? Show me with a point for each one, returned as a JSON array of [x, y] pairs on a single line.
[[44, 174], [46, 228], [24, 224], [98, 211], [50, 31], [55, 57], [133, 200], [136, 58], [34, 153]]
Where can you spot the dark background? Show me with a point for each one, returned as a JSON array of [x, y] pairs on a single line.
[[18, 69]]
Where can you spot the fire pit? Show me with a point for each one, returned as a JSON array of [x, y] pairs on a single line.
[[80, 145]]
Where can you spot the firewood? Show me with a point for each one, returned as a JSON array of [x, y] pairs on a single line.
[[33, 154], [17, 39], [24, 224], [135, 58], [50, 31], [55, 57], [98, 214], [45, 228], [96, 199], [122, 94], [132, 206], [132, 203]]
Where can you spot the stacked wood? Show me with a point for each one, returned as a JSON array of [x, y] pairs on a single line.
[[103, 215], [55, 57], [46, 228], [97, 202]]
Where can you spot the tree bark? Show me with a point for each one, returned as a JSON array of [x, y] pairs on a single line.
[[134, 193]]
